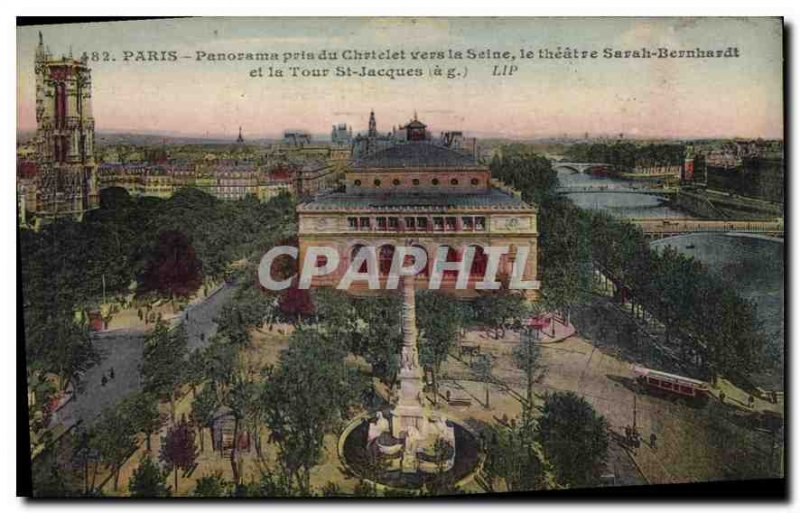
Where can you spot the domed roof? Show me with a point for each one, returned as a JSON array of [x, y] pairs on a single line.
[[416, 154]]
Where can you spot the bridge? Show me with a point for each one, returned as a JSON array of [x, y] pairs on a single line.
[[578, 167], [655, 229], [618, 189]]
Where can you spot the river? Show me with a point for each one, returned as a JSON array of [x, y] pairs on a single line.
[[751, 264]]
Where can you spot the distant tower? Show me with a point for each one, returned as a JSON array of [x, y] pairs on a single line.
[[240, 139], [64, 136], [373, 127]]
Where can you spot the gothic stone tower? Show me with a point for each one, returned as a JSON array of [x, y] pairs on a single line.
[[64, 136]]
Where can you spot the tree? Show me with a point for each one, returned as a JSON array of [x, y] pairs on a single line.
[[148, 480], [241, 398], [114, 438], [141, 410], [482, 366], [378, 337], [515, 457], [526, 357], [440, 322], [178, 449], [296, 303], [306, 396], [574, 438], [213, 485], [57, 344], [173, 268], [164, 363], [204, 406], [500, 310]]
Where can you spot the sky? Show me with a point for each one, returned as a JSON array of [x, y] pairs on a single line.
[[734, 97]]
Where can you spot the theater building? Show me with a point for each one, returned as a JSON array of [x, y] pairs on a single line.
[[420, 193]]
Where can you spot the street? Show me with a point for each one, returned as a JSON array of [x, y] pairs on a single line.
[[121, 350]]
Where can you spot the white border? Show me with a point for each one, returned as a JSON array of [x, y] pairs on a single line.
[[8, 502]]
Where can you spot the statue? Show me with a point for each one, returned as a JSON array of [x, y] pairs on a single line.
[[376, 428]]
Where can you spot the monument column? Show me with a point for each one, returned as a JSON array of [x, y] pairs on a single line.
[[410, 411]]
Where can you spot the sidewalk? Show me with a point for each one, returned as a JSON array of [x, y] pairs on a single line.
[[128, 319]]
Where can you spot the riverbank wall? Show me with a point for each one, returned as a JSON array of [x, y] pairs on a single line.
[[711, 204]]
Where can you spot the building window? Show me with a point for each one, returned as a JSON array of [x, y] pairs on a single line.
[[480, 223], [377, 183], [438, 224], [467, 224], [364, 223], [394, 224], [357, 183], [450, 224], [381, 223], [479, 262], [410, 225], [396, 182], [453, 182], [422, 224], [352, 223], [474, 181], [415, 181], [385, 257], [435, 181]]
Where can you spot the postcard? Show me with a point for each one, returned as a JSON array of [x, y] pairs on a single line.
[[401, 257]]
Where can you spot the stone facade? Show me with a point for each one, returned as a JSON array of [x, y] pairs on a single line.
[[422, 194]]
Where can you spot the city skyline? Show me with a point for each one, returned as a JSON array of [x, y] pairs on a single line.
[[666, 98]]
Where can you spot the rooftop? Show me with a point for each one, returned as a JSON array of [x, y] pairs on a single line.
[[493, 199], [415, 154]]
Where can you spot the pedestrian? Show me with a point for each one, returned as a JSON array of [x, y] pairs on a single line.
[[111, 373], [103, 380], [751, 401], [653, 440], [722, 397]]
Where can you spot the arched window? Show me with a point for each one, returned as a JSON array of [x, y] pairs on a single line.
[[395, 182], [454, 181], [424, 271], [479, 262], [353, 252], [385, 257], [435, 181], [377, 183], [452, 256]]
